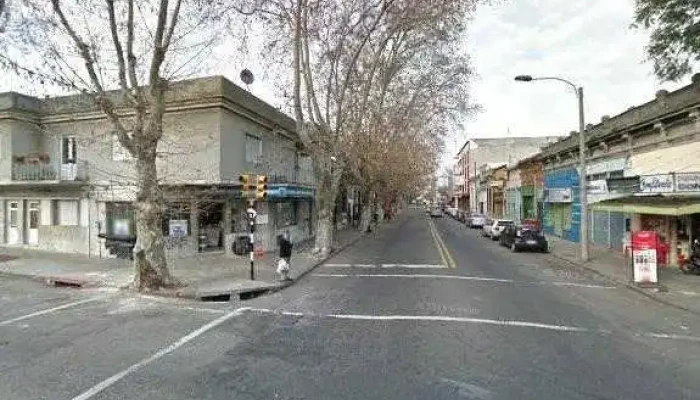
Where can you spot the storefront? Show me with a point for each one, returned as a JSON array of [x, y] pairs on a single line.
[[561, 209], [606, 228]]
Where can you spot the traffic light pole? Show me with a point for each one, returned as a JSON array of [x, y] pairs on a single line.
[[260, 194], [252, 214]]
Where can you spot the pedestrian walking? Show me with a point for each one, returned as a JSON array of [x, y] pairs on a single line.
[[285, 256]]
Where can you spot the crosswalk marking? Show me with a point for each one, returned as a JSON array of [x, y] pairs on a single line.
[[410, 266]]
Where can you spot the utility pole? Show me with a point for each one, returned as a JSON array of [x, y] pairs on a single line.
[[583, 182], [252, 215]]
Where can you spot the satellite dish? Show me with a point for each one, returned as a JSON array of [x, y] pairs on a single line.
[[247, 76]]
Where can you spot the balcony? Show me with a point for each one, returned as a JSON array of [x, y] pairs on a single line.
[[40, 168]]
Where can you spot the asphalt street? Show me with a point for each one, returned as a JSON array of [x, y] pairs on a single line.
[[422, 309]]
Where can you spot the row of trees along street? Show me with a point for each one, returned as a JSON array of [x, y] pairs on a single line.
[[376, 84]]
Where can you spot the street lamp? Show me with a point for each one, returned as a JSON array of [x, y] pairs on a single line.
[[582, 156]]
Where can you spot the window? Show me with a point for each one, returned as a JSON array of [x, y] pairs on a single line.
[[119, 153], [69, 150], [67, 211], [14, 206], [2, 146], [287, 213], [120, 219], [176, 221], [253, 149]]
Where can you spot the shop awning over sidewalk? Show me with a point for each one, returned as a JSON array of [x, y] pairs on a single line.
[[658, 205], [664, 161]]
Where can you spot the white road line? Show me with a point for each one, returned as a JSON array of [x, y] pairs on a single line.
[[430, 318], [120, 375], [464, 278], [483, 321], [415, 276], [47, 311], [413, 266]]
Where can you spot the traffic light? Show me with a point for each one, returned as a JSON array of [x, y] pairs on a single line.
[[261, 189], [245, 183]]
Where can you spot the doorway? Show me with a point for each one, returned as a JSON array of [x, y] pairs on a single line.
[[14, 235], [33, 213]]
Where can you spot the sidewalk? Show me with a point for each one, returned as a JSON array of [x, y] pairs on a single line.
[[675, 288], [205, 275]]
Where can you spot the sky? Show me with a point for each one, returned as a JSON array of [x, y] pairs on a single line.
[[589, 42]]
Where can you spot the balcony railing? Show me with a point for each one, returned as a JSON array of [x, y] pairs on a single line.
[[39, 171]]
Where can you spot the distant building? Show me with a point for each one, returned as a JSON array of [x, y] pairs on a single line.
[[478, 152]]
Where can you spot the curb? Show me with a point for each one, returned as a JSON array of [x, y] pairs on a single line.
[[626, 284]]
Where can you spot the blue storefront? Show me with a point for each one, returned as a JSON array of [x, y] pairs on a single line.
[[562, 209]]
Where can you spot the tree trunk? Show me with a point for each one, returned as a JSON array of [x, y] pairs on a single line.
[[367, 211], [151, 270], [325, 204]]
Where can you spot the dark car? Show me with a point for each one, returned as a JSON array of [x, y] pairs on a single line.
[[523, 238]]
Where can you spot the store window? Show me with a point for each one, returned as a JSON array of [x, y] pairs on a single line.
[[287, 213], [119, 219], [176, 221]]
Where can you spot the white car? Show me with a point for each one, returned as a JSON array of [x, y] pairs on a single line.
[[497, 227], [476, 221]]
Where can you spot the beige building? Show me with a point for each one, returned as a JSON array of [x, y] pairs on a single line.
[[67, 185]]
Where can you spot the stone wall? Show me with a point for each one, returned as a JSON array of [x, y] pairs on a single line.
[[64, 239]]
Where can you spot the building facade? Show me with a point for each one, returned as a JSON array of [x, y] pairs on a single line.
[[478, 152], [513, 207], [67, 185], [642, 174]]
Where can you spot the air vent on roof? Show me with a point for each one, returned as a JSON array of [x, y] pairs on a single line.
[[589, 126], [604, 118]]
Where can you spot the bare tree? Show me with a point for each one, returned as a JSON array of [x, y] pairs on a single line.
[[121, 55], [328, 43]]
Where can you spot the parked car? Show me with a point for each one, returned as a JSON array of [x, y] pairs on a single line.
[[476, 221], [497, 227], [523, 238], [486, 228], [435, 212]]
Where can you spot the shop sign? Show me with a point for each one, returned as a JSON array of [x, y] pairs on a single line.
[[623, 185], [656, 183], [177, 227], [561, 195], [688, 182], [599, 186]]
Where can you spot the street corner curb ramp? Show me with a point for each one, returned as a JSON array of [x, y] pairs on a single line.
[[222, 290]]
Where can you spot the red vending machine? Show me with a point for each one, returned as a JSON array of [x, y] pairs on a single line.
[[646, 248]]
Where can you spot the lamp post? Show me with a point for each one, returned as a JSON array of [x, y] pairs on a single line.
[[583, 185]]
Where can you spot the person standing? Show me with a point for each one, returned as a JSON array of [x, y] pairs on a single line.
[[285, 256]]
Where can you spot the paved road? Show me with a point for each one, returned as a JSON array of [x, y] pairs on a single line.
[[424, 309]]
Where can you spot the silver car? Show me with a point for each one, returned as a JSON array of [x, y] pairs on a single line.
[[497, 227]]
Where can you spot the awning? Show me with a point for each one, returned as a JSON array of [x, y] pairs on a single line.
[[664, 161], [658, 205]]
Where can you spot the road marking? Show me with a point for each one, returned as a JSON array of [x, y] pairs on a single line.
[[184, 340], [482, 321], [414, 266], [445, 255], [430, 318], [47, 311], [465, 278]]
